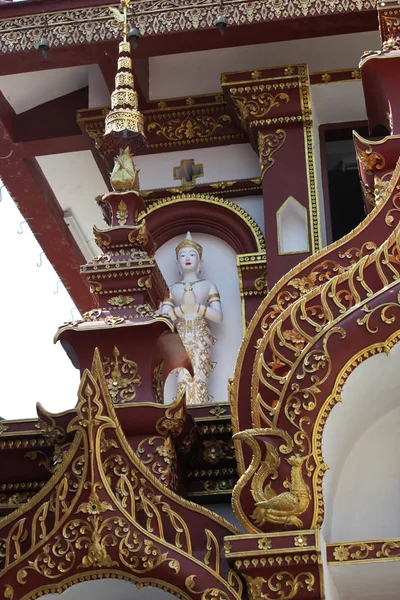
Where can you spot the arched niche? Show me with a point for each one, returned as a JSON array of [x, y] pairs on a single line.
[[117, 589], [292, 227], [202, 213], [362, 486], [219, 266]]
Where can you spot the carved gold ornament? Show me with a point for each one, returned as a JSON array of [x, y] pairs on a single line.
[[370, 160], [366, 551], [293, 336], [193, 127], [120, 300], [259, 104], [343, 552], [139, 234], [261, 283], [124, 177], [381, 186], [8, 592], [122, 377], [282, 584], [104, 509], [94, 24], [264, 543], [256, 74], [159, 455], [280, 508], [217, 411], [216, 450], [122, 213], [94, 506], [145, 310], [389, 549], [300, 541], [158, 383], [270, 507], [268, 144]]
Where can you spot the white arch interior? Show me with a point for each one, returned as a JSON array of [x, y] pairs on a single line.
[[104, 589], [292, 227], [360, 446], [219, 266]]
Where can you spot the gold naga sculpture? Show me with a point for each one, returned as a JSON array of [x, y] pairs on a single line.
[[283, 508]]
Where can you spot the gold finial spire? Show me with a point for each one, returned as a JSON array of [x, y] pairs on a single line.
[[124, 122]]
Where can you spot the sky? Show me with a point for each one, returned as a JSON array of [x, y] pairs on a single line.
[[32, 368]]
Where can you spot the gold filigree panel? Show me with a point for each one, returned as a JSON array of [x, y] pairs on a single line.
[[95, 24]]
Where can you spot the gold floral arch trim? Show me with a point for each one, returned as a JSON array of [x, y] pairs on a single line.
[[294, 371], [243, 215], [93, 576], [270, 309]]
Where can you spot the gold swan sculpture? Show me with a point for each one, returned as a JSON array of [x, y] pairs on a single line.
[[283, 508]]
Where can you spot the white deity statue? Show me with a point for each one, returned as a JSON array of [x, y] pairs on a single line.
[[192, 302]]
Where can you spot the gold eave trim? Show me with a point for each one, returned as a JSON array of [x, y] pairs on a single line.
[[80, 327]]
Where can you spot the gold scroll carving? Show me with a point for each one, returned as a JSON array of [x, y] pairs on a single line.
[[268, 144], [282, 584], [122, 377], [194, 126]]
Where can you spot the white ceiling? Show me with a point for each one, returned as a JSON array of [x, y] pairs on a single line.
[[26, 90]]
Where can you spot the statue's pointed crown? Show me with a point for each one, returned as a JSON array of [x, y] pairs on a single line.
[[188, 242]]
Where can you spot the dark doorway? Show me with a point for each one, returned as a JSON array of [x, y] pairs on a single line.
[[342, 181]]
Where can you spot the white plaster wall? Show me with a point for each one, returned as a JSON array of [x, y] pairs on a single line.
[[331, 592], [376, 581], [219, 266], [338, 102], [367, 499], [221, 163], [26, 90], [99, 94], [193, 73], [254, 205], [363, 404]]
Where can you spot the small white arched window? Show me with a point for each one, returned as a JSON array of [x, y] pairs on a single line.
[[292, 224]]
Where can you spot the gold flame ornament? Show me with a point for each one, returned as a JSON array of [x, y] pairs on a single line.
[[124, 176]]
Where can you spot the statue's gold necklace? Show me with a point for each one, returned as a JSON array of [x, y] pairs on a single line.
[[191, 282]]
